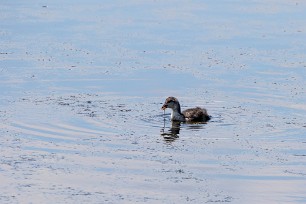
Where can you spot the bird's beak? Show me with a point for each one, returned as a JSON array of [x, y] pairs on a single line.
[[164, 107]]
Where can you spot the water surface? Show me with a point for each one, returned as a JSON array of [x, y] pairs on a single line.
[[82, 85]]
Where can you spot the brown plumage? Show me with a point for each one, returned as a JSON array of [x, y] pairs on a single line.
[[190, 115], [196, 114]]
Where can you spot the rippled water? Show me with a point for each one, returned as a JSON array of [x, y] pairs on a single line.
[[83, 83]]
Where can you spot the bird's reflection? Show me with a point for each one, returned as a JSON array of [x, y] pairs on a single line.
[[172, 133]]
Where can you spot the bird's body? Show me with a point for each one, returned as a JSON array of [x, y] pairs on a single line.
[[190, 115]]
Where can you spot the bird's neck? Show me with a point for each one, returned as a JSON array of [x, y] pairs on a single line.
[[177, 108], [176, 114]]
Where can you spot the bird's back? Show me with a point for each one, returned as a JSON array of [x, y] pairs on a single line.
[[196, 115]]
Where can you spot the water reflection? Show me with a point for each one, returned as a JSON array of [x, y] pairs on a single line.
[[195, 126], [172, 133]]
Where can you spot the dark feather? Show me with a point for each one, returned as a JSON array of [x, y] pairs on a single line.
[[196, 115]]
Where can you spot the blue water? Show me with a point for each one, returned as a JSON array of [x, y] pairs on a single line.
[[82, 84]]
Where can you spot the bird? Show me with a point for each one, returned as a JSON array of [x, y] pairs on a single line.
[[189, 115]]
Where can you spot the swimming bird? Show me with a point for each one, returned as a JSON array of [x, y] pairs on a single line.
[[190, 115]]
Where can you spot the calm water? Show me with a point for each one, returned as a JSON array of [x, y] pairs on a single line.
[[82, 84]]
